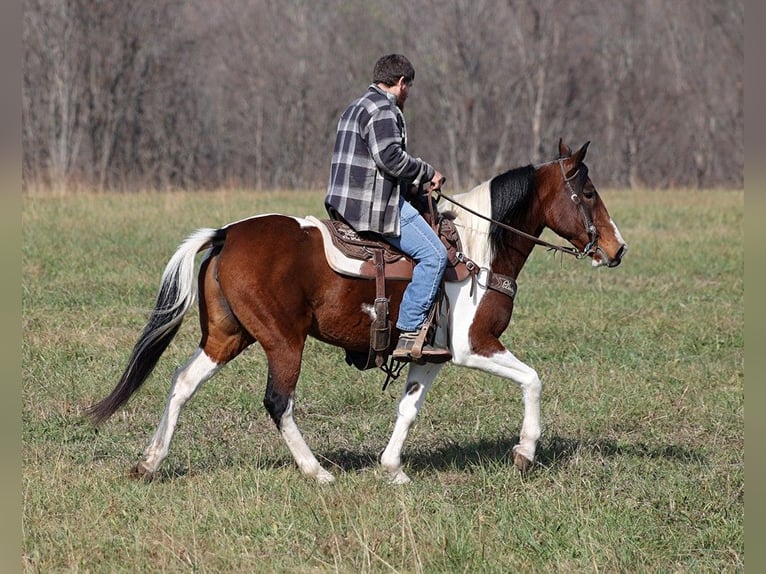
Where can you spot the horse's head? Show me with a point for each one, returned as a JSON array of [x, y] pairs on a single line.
[[575, 211]]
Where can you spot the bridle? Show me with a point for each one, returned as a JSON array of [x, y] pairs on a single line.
[[589, 249], [592, 246]]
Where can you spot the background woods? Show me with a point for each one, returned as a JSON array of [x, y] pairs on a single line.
[[200, 94]]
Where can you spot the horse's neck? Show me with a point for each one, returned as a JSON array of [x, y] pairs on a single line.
[[512, 259], [474, 234]]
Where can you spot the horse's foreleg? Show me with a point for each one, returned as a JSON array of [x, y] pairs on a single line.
[[279, 402], [186, 381], [419, 379], [505, 364], [524, 452]]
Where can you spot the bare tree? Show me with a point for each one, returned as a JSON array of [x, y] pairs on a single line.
[[53, 107], [199, 94]]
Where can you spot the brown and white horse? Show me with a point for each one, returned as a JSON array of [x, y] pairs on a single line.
[[266, 279]]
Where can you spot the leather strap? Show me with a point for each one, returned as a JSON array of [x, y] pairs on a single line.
[[417, 347], [380, 274], [502, 284], [495, 281]]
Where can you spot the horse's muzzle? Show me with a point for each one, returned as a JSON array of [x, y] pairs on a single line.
[[618, 256], [600, 257]]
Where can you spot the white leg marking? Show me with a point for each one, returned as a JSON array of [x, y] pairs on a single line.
[[503, 364], [419, 379], [506, 365], [301, 452], [186, 381]]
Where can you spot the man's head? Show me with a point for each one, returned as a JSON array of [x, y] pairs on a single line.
[[395, 74]]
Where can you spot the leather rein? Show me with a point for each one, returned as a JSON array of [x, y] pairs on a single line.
[[589, 249]]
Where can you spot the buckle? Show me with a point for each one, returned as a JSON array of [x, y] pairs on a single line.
[[487, 273], [470, 265]]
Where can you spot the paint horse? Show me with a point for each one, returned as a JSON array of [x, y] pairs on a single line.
[[267, 279]]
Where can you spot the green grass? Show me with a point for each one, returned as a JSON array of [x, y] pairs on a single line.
[[641, 462]]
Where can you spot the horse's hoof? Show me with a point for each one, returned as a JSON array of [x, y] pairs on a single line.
[[397, 477], [324, 477], [400, 478], [521, 462], [141, 472]]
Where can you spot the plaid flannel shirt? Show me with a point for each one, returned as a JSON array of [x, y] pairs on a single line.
[[370, 165]]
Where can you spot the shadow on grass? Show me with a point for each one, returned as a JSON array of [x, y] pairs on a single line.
[[560, 449], [167, 474], [554, 452]]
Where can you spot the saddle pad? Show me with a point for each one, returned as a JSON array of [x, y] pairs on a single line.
[[339, 262]]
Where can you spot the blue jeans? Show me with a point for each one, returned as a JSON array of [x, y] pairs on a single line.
[[419, 241]]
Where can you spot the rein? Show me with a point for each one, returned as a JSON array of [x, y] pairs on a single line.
[[589, 227]]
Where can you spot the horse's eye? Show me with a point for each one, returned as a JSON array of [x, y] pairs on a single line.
[[588, 192]]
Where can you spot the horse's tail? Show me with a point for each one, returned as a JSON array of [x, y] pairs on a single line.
[[177, 293]]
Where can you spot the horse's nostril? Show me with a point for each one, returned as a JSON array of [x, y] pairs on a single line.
[[618, 257], [623, 250]]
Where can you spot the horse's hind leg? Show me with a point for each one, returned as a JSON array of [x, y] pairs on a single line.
[[186, 380], [222, 339], [419, 379], [279, 400]]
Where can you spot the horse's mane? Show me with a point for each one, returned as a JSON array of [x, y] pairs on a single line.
[[511, 195]]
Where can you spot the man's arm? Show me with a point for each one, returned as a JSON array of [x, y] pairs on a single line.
[[385, 143]]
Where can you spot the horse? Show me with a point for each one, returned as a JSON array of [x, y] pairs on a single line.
[[266, 279]]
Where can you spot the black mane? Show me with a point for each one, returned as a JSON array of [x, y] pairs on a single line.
[[511, 195]]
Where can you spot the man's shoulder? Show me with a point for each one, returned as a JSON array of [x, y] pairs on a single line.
[[375, 99], [373, 105]]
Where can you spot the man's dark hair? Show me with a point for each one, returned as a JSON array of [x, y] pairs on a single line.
[[388, 70]]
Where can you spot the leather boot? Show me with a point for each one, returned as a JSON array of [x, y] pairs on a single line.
[[428, 354]]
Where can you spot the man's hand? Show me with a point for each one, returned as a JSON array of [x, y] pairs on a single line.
[[437, 181]]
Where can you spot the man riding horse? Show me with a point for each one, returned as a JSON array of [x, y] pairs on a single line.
[[372, 181]]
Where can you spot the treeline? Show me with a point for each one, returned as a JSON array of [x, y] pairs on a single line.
[[201, 94]]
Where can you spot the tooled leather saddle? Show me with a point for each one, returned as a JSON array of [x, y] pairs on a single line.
[[353, 254]]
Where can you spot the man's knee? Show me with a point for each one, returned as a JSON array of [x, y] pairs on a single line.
[[441, 257], [436, 258]]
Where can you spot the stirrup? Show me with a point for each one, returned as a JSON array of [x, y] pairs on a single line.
[[412, 347]]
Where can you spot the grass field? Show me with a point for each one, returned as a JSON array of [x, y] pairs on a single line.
[[641, 462]]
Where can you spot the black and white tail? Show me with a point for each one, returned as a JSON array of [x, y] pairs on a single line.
[[177, 293]]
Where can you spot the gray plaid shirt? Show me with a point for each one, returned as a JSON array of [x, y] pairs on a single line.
[[371, 166]]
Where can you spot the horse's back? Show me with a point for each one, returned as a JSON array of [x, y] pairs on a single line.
[[270, 248], [268, 227]]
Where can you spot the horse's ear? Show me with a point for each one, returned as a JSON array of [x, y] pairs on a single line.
[[579, 155], [564, 149]]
